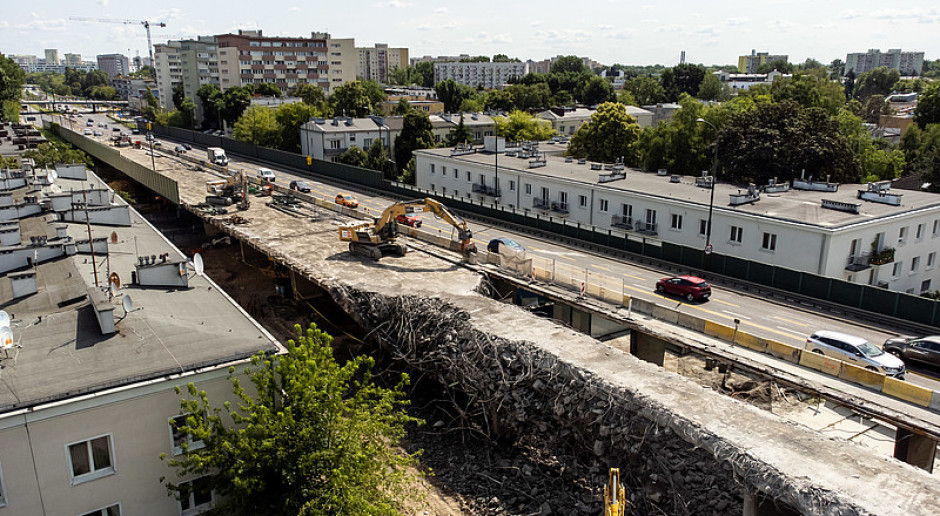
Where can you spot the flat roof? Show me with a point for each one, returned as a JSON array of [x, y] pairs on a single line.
[[62, 352], [799, 206]]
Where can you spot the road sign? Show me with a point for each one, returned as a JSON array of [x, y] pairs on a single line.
[[708, 249]]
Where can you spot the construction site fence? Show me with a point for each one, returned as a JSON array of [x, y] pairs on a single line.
[[156, 182], [873, 299]]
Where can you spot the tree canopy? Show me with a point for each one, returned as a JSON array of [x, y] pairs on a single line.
[[357, 99], [928, 106], [683, 78], [315, 438], [519, 126], [878, 81], [416, 133], [11, 88], [608, 136], [258, 125]]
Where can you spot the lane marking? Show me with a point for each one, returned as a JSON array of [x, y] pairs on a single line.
[[795, 332], [726, 303], [790, 321], [634, 277], [737, 316], [601, 267]]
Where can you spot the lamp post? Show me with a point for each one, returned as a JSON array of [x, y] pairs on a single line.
[[711, 202]]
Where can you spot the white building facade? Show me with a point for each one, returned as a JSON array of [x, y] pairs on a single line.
[[894, 247], [486, 75]]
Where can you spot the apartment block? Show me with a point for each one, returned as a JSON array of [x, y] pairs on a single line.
[[750, 63], [485, 75], [168, 71], [907, 63], [73, 60], [864, 234], [114, 65], [52, 56], [375, 63]]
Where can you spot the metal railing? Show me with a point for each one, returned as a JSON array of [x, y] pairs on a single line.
[[622, 222]]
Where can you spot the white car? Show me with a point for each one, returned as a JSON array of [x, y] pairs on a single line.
[[266, 175], [856, 351], [87, 132]]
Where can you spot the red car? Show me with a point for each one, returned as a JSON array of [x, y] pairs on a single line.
[[409, 219], [689, 287]]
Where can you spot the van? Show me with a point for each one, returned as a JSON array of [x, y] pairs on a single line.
[[266, 175]]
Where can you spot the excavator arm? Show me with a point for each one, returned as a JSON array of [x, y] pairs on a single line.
[[464, 234]]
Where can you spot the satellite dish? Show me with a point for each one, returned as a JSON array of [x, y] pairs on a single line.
[[114, 289], [54, 174], [4, 318], [6, 337], [114, 238], [128, 305], [50, 178], [198, 264]]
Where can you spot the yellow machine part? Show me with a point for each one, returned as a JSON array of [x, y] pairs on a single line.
[[614, 502]]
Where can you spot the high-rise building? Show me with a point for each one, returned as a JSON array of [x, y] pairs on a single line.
[[251, 58], [52, 56], [166, 58], [907, 63], [115, 65], [750, 63], [377, 62], [487, 75], [73, 60]]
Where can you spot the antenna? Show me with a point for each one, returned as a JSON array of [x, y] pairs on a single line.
[[198, 265], [128, 305]]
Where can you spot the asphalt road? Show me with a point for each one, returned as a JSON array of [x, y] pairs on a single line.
[[772, 319]]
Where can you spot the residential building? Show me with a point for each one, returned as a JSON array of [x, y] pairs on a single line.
[[857, 233], [438, 59], [485, 75], [743, 81], [31, 63], [750, 63], [480, 125], [134, 90], [168, 71], [662, 111], [376, 62], [907, 63], [190, 63], [88, 395], [139, 62], [73, 60], [114, 65], [567, 121], [545, 65], [52, 56], [421, 103]]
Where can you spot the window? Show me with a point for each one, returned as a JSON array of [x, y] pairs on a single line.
[[90, 459], [179, 438], [469, 178], [528, 189], [936, 227], [676, 221], [563, 198], [603, 204], [352, 137], [925, 286], [512, 185], [195, 496], [920, 232], [702, 227], [902, 234], [432, 171], [651, 219], [482, 179], [770, 242], [111, 510], [896, 271], [334, 144], [366, 143], [582, 201], [915, 263], [931, 259], [433, 189], [456, 193], [736, 234], [443, 171], [627, 211], [456, 173]]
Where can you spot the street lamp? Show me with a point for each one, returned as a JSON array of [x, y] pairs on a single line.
[[711, 202]]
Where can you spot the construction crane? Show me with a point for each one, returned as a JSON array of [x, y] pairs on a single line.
[[145, 23]]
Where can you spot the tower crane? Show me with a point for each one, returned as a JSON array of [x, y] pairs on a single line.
[[145, 23]]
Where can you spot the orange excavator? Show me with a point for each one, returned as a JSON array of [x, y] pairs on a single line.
[[376, 238]]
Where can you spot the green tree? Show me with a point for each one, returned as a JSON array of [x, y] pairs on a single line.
[[452, 94], [499, 100], [710, 89], [459, 134], [310, 94], [179, 93], [779, 65], [681, 143], [267, 89], [573, 64], [878, 81], [258, 125], [536, 96], [927, 165], [378, 159], [646, 90], [874, 107], [317, 439], [354, 156], [187, 109], [609, 135], [683, 78], [289, 118], [779, 140], [210, 97], [356, 99], [928, 106], [471, 105], [402, 107], [835, 69], [597, 90], [234, 102], [625, 97], [416, 133], [426, 71], [150, 106], [12, 79], [809, 90], [47, 154], [878, 160], [521, 126], [911, 85]]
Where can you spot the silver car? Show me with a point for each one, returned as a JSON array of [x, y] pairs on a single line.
[[856, 351]]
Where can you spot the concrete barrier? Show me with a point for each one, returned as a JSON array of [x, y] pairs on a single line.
[[719, 330], [665, 314], [691, 322], [784, 351], [821, 363], [750, 341], [907, 391], [643, 306], [860, 375], [934, 402]]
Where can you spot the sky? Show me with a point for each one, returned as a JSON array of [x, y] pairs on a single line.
[[608, 31]]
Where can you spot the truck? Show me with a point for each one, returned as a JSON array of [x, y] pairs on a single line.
[[217, 156], [376, 238]]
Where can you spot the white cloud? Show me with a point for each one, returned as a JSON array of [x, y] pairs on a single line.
[[735, 22], [779, 25], [669, 28], [423, 27], [294, 9], [504, 38], [103, 2], [604, 26], [398, 4], [536, 23], [450, 26], [849, 14], [170, 14], [57, 24], [441, 10], [705, 31]]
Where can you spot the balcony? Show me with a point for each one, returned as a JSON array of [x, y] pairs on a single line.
[[622, 222], [883, 257], [560, 207], [860, 262], [541, 204], [482, 189], [646, 228]]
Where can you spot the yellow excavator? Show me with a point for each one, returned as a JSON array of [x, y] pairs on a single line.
[[228, 190], [376, 238], [614, 502]]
